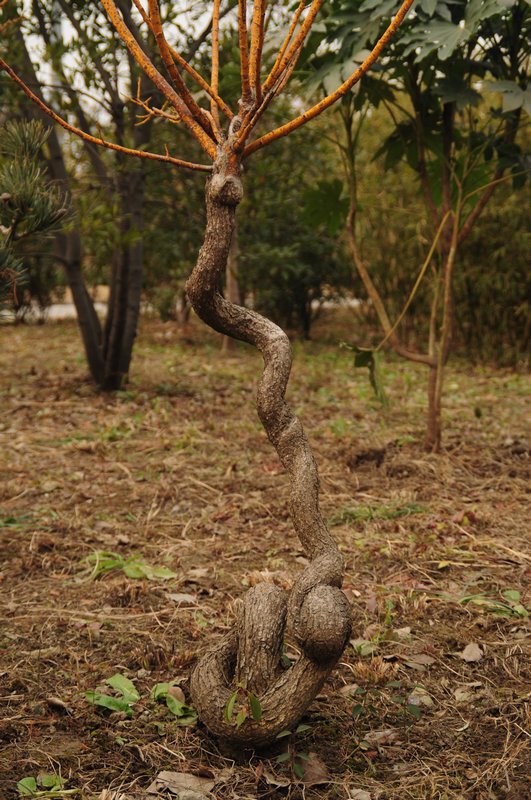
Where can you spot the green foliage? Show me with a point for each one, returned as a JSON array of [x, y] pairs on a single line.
[[29, 209], [129, 696], [186, 715], [249, 707], [292, 754], [366, 513], [102, 562], [44, 785]]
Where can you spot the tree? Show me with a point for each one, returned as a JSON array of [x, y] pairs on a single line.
[[91, 60], [29, 206], [432, 83], [317, 613]]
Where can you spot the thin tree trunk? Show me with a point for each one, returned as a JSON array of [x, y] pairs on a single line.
[[316, 613], [69, 246]]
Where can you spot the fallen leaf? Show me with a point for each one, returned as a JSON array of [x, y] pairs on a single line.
[[359, 794], [348, 690], [273, 780], [420, 697], [403, 633], [472, 652], [418, 660], [177, 782], [363, 647], [177, 693], [387, 736], [314, 772], [182, 597]]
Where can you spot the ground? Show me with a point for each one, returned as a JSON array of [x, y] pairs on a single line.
[[175, 472]]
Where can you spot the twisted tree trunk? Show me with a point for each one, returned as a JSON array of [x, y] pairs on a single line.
[[316, 614]]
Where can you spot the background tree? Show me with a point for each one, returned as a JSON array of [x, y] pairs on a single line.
[[433, 84], [246, 667], [30, 208], [91, 61]]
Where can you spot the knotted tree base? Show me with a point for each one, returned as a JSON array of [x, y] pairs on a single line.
[[316, 614]]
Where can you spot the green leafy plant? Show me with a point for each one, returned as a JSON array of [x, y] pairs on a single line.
[[245, 704], [124, 686], [510, 606], [185, 714], [44, 785], [292, 754], [102, 562], [368, 696], [366, 513]]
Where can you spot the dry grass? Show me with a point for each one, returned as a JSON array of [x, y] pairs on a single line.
[[176, 470]]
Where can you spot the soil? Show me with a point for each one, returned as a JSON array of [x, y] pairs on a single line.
[[430, 699]]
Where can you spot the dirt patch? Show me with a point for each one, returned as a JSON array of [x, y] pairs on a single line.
[[175, 474]]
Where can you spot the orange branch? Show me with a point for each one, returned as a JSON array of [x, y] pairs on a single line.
[[293, 50], [93, 139], [187, 68], [244, 55], [214, 81], [184, 93], [257, 43], [206, 142], [284, 130], [272, 75]]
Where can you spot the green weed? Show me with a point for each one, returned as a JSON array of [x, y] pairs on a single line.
[[102, 562], [367, 513]]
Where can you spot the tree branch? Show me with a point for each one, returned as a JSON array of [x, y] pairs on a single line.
[[214, 79], [199, 133], [182, 62], [340, 92], [93, 139], [255, 56], [197, 113], [244, 54]]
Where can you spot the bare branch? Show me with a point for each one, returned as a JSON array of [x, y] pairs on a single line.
[[340, 92], [255, 56], [206, 142], [214, 81], [184, 93], [244, 54], [183, 64], [93, 139]]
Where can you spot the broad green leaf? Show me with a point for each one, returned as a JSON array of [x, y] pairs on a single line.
[[27, 785], [282, 757], [282, 734], [303, 728], [50, 781], [125, 686], [180, 709], [188, 720], [357, 710], [513, 96], [256, 708], [106, 701], [304, 757], [241, 716], [298, 770], [175, 706], [414, 710], [159, 691], [512, 595], [229, 708], [428, 6]]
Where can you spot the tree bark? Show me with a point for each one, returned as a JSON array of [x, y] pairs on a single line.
[[232, 288], [316, 613]]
